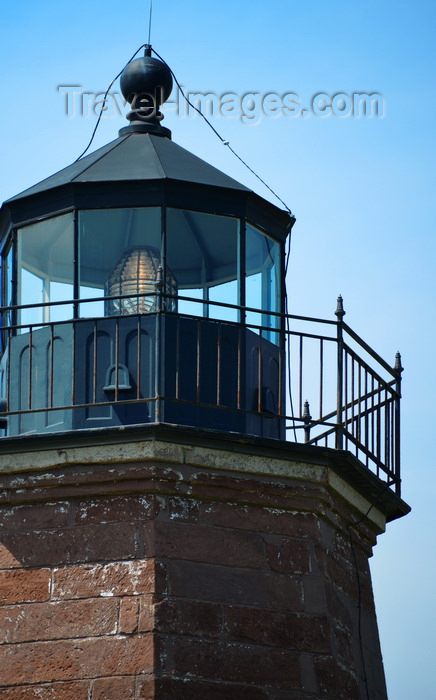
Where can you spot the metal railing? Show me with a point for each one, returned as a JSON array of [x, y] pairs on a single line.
[[365, 418], [329, 389]]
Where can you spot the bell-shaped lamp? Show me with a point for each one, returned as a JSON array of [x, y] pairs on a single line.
[[132, 284]]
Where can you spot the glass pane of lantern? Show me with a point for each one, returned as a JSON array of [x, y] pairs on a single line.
[[46, 270], [6, 292], [192, 308], [119, 256], [7, 289], [32, 293], [262, 264], [226, 292], [9, 275], [202, 254]]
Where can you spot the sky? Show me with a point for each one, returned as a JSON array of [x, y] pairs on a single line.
[[361, 187]]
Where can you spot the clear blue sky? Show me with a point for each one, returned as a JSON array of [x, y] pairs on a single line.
[[362, 190]]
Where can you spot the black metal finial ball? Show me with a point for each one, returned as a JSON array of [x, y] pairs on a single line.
[[146, 76]]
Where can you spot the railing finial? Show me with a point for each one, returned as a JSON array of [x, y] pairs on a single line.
[[306, 418], [306, 412], [340, 313], [398, 367]]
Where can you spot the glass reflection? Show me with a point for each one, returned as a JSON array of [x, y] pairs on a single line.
[[202, 253], [262, 265], [119, 255], [46, 269]]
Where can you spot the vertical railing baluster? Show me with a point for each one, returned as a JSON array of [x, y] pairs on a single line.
[[94, 373], [178, 358], [378, 424], [396, 467], [51, 378], [73, 364], [198, 394], [387, 436], [340, 313], [372, 415], [117, 357], [300, 378], [239, 367], [306, 418], [8, 374], [159, 346], [392, 432], [280, 402], [345, 399], [366, 421], [359, 405], [29, 388], [321, 376], [353, 394], [138, 359], [218, 369]]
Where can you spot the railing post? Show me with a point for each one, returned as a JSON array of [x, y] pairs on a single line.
[[306, 418], [159, 285], [398, 370], [340, 313]]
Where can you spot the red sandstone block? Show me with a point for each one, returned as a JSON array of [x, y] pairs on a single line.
[[337, 609], [344, 645], [128, 615], [177, 540], [22, 586], [367, 597], [279, 629], [121, 688], [338, 571], [366, 531], [343, 548], [72, 545], [335, 681], [229, 662], [184, 509], [242, 482], [230, 492], [315, 588], [76, 659], [222, 584], [341, 543], [161, 577], [178, 616], [266, 491], [145, 689], [261, 519], [288, 556], [63, 620], [7, 558], [38, 516], [117, 509], [342, 575], [124, 475], [114, 579], [187, 689], [146, 621], [76, 690]]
